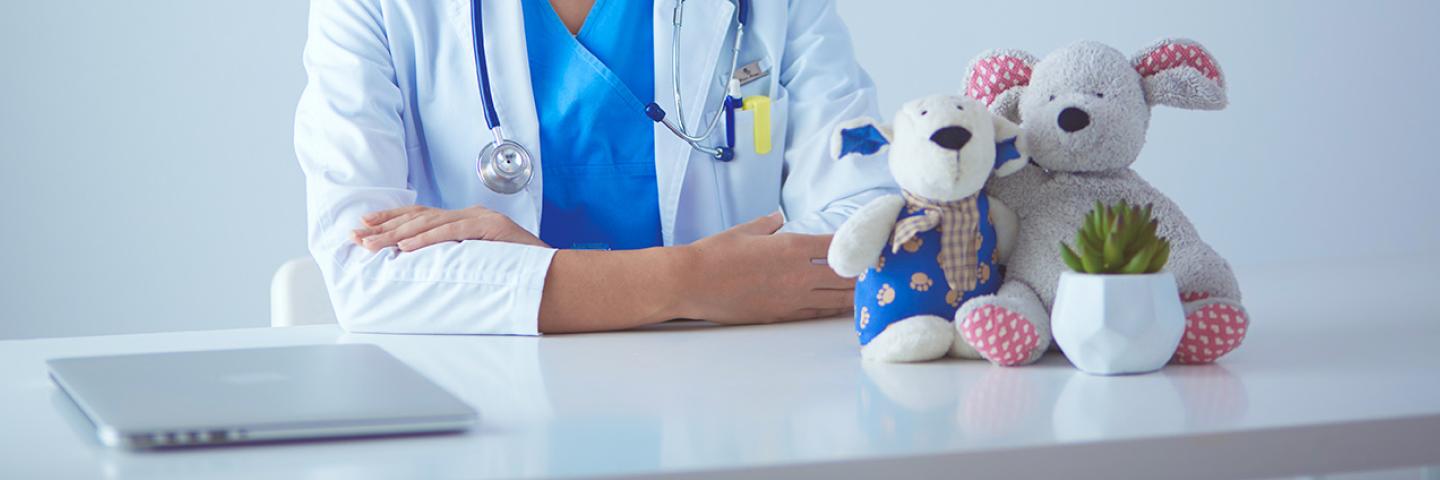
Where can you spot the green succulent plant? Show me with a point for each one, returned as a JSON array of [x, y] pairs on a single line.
[[1119, 239]]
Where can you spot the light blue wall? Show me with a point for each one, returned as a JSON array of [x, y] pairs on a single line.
[[1325, 152], [148, 180], [146, 171]]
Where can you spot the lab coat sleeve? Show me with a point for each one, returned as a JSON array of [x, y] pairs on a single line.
[[826, 86], [351, 141]]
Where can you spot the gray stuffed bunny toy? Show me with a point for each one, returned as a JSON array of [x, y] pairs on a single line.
[[1085, 109]]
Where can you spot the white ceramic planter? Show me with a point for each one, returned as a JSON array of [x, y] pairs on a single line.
[[1117, 324]]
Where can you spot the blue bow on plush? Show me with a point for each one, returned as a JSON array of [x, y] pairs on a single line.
[[867, 140], [1006, 151], [864, 140]]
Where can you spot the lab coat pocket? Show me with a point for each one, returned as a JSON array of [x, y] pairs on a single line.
[[751, 181]]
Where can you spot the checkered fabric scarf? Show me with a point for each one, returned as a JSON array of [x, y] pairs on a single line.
[[959, 223]]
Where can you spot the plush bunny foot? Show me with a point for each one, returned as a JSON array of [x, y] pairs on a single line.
[[1009, 328], [915, 339], [1213, 327], [1002, 336]]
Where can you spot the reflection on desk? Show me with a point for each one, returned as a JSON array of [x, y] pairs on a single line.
[[795, 399]]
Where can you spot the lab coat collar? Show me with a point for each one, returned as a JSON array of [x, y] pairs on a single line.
[[509, 61], [701, 41]]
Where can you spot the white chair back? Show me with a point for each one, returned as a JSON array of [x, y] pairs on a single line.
[[298, 295]]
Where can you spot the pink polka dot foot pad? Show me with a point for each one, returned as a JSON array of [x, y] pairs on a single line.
[[1001, 336], [1210, 332]]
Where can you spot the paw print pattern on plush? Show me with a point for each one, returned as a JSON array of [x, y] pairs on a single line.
[[953, 297], [886, 295], [864, 317], [920, 282], [913, 245], [984, 273], [1000, 335], [1211, 332]]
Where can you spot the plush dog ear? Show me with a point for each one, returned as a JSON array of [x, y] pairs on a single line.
[[860, 136], [1010, 148], [1181, 73], [997, 78]]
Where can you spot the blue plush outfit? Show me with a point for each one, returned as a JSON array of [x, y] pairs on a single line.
[[910, 282]]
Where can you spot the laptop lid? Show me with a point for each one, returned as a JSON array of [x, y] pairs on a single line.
[[258, 394]]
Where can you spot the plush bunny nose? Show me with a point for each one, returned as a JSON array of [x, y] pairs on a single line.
[[1073, 119], [951, 138]]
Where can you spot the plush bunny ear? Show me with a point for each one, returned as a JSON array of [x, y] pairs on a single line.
[[997, 78], [1181, 73], [1010, 147], [860, 136]]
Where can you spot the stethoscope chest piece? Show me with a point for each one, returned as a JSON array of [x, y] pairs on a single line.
[[505, 167]]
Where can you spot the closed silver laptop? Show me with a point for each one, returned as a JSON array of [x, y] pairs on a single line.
[[252, 395]]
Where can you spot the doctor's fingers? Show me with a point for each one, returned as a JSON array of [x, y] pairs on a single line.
[[459, 230], [830, 298], [821, 277], [809, 313], [449, 232], [392, 220], [808, 246], [411, 215], [375, 219], [406, 226], [764, 225], [489, 226]]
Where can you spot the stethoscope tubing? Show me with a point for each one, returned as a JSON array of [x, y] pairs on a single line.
[[482, 72], [653, 110], [675, 71]]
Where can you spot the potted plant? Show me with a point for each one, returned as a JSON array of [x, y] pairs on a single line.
[[1118, 312]]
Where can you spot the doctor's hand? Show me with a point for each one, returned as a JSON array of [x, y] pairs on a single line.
[[750, 274], [415, 227]]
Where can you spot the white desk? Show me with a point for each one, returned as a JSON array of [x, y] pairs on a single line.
[[1340, 372]]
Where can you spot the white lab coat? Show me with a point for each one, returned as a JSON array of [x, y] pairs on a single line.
[[391, 116]]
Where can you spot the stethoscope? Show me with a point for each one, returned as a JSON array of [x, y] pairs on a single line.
[[506, 167]]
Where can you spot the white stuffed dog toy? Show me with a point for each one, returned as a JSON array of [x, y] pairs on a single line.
[[919, 256], [1085, 110]]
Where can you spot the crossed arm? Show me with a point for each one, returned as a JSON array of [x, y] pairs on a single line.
[[748, 274]]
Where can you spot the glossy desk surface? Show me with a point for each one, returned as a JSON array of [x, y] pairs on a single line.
[[1341, 372]]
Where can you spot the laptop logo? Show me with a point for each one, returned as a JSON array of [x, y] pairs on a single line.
[[251, 378]]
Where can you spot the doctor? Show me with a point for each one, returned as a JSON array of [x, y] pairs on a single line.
[[521, 166]]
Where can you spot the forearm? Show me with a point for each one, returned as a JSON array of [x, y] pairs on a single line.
[[588, 291]]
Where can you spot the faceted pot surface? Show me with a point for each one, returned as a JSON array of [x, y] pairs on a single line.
[[1117, 324]]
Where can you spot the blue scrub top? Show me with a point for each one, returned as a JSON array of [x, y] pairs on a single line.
[[597, 145]]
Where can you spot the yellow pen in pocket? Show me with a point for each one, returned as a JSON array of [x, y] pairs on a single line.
[[760, 106]]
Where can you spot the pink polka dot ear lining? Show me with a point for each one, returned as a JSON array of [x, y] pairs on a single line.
[[1172, 55], [993, 76]]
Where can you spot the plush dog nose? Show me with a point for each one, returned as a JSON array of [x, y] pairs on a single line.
[[952, 138], [1073, 119]]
